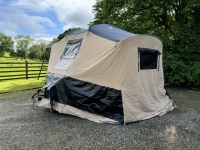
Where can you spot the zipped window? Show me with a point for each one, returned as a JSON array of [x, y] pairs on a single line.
[[69, 54], [148, 59]]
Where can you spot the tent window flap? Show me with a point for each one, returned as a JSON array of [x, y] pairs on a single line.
[[148, 58], [69, 54]]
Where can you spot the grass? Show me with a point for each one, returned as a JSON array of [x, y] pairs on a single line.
[[21, 84], [187, 98], [7, 58]]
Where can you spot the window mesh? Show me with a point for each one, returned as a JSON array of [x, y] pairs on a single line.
[[148, 58], [68, 56]]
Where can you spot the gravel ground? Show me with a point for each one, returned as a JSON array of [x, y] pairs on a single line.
[[22, 127]]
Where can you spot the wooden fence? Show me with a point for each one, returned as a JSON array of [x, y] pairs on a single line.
[[22, 70]]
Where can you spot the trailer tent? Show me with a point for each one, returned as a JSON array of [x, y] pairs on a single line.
[[107, 75]]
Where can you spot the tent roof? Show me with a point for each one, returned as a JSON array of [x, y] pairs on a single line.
[[107, 31], [79, 31], [110, 32]]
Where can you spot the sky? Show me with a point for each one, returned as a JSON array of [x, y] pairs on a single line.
[[44, 19]]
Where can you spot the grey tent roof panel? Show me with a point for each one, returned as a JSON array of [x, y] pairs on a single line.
[[110, 32], [79, 31]]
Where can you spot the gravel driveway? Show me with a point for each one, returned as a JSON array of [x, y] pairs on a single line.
[[22, 127]]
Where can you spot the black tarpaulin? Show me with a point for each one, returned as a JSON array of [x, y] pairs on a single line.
[[91, 97]]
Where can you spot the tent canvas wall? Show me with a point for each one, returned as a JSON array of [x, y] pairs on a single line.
[[108, 75]]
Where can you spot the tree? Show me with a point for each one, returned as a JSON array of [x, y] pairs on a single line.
[[62, 35], [42, 44], [21, 54], [6, 44], [48, 49], [35, 52], [13, 54], [47, 53], [54, 40], [176, 22], [23, 44]]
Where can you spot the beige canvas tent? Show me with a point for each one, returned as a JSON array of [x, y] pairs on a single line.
[[107, 75]]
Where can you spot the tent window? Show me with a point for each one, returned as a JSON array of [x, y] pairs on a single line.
[[68, 55], [148, 58]]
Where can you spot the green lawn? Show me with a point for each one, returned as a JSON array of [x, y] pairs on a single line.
[[21, 84], [7, 58]]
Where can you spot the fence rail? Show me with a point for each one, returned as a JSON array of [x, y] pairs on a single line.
[[22, 70]]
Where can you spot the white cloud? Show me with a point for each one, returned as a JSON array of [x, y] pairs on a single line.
[[14, 18], [9, 28], [74, 13], [36, 5], [66, 27], [44, 17], [47, 21], [49, 39]]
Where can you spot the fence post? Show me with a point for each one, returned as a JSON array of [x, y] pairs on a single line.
[[26, 65], [41, 69]]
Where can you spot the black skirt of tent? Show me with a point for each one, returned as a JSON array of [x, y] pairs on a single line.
[[91, 97]]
